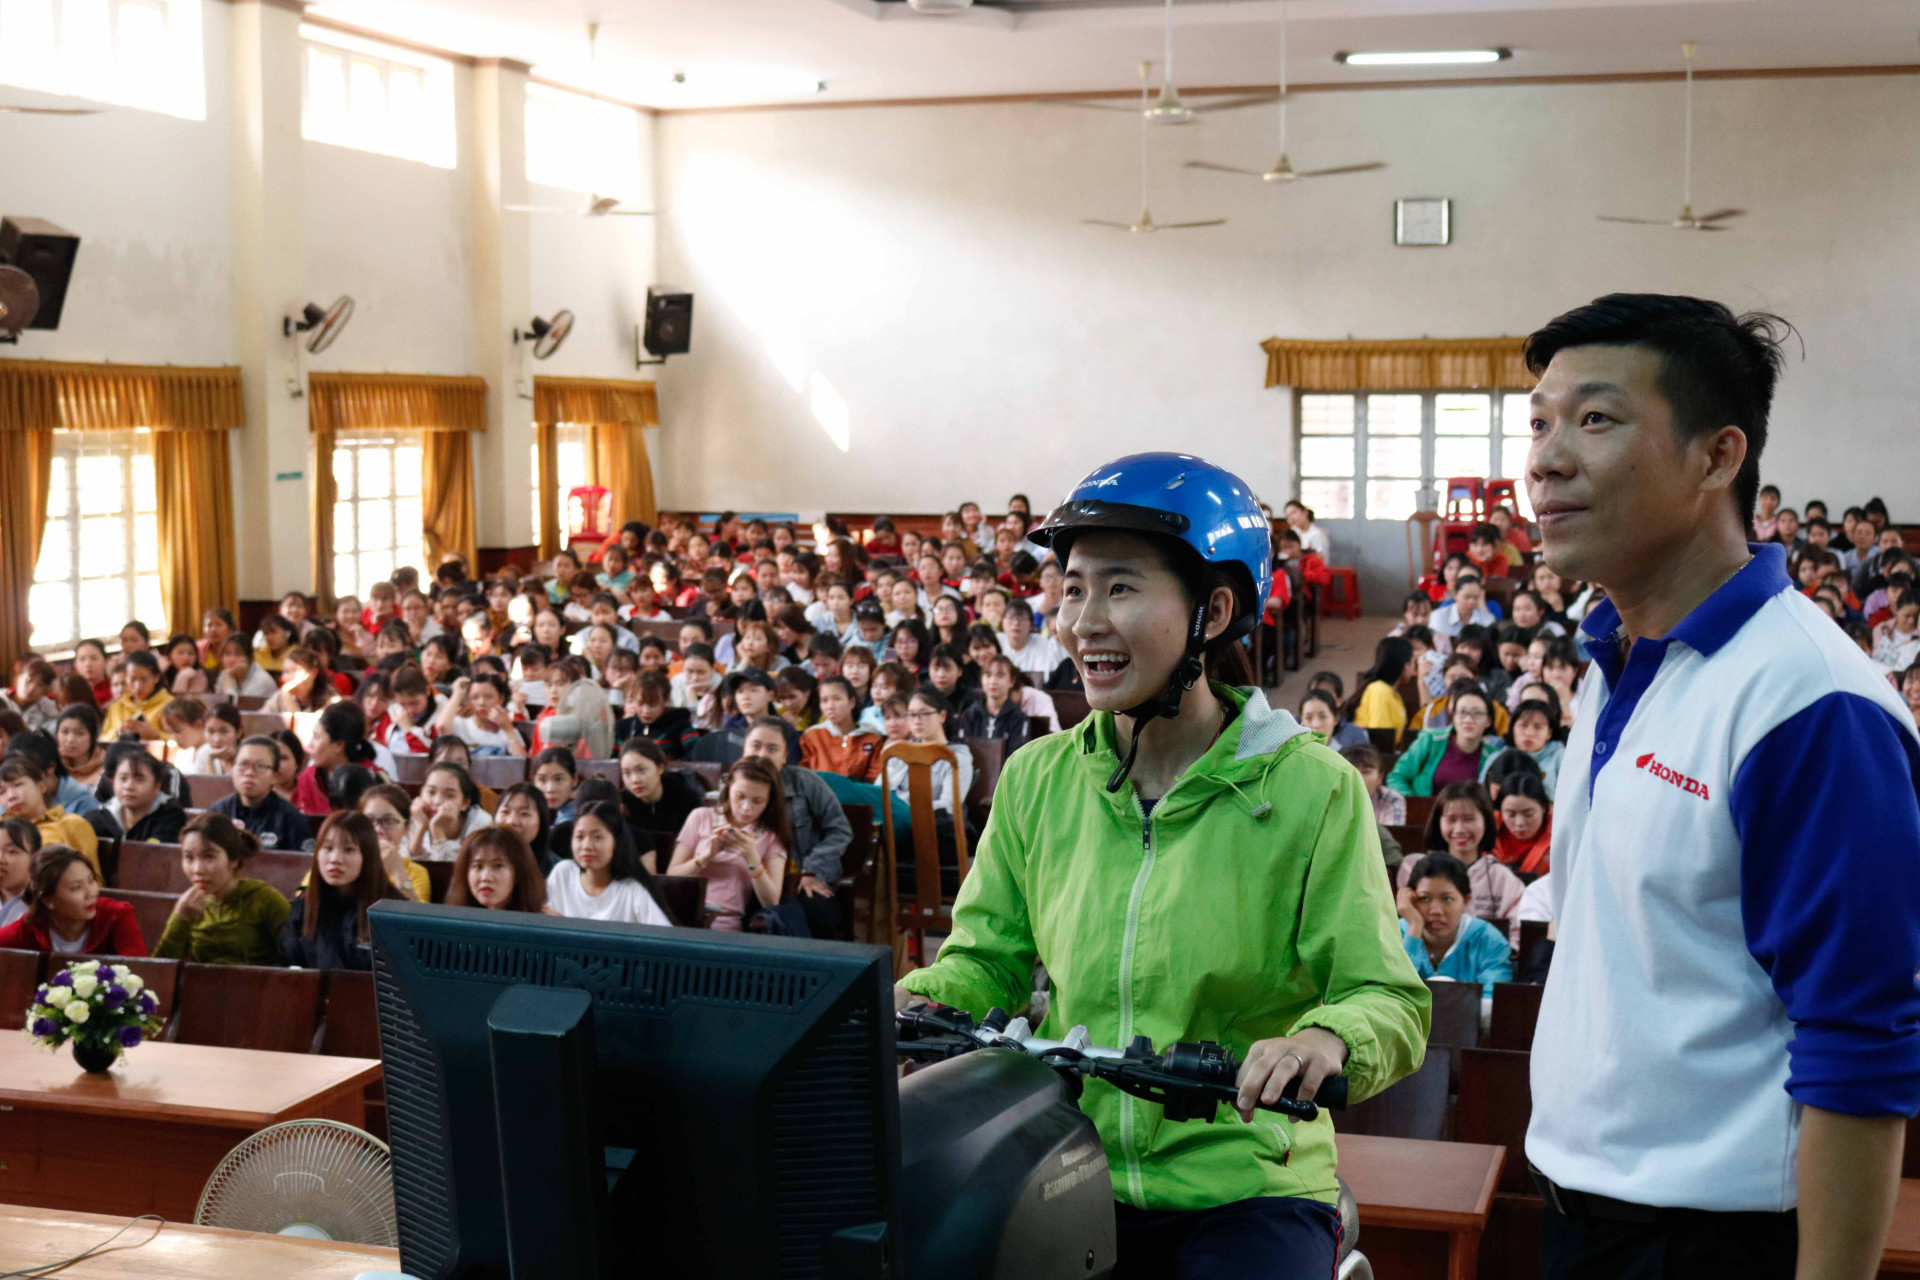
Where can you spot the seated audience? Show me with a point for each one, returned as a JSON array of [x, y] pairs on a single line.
[[603, 879], [446, 812], [653, 717], [838, 744], [557, 774], [239, 675], [1458, 752], [76, 736], [326, 926], [19, 841], [1389, 806], [141, 703], [1380, 702], [223, 917], [66, 914], [1441, 939], [305, 685], [479, 712], [140, 804], [740, 845], [1467, 608], [339, 738], [386, 806], [817, 824], [1320, 712], [268, 816], [654, 798], [1464, 826], [1526, 828], [523, 810], [1536, 731], [997, 713], [497, 870], [24, 787]]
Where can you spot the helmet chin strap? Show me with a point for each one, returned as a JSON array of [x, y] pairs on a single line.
[[1167, 702]]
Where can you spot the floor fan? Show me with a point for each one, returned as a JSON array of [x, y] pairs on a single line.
[[313, 1179]]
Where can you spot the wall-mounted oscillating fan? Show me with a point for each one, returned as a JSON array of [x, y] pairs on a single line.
[[317, 1179], [19, 302], [325, 325], [546, 335]]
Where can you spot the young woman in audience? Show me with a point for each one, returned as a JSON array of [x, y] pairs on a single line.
[[326, 925], [498, 871], [140, 805], [293, 759], [386, 806], [838, 744], [890, 679], [1526, 828], [604, 878], [77, 735], [1909, 685], [1464, 825], [90, 660], [654, 798], [446, 811], [1560, 668], [928, 713], [523, 810], [1507, 766], [338, 739], [239, 675], [24, 788], [557, 775], [857, 665], [72, 690], [1441, 938], [347, 629], [478, 712], [65, 913], [1389, 806], [797, 697], [949, 625], [1536, 731], [184, 674], [910, 647], [277, 636], [1380, 702], [223, 917], [997, 713], [949, 671], [740, 845], [1457, 753], [305, 683], [754, 646], [1320, 712], [652, 717], [19, 841], [219, 732], [216, 628]]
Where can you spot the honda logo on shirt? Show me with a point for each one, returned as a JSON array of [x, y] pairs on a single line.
[[1665, 774]]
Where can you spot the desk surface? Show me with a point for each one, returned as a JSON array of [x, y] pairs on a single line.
[[35, 1237], [1903, 1239], [181, 1083], [1427, 1186]]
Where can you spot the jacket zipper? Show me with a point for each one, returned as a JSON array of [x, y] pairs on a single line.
[[1135, 1184]]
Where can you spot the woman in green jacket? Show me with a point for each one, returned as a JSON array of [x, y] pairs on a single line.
[[1189, 864], [1460, 751], [222, 918]]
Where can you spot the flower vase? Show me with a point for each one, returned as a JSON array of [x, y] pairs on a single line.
[[95, 1057]]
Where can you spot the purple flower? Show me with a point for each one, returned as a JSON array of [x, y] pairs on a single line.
[[129, 1036], [44, 1027], [62, 979], [115, 994], [41, 994], [146, 1002]]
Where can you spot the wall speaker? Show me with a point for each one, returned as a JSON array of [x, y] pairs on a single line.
[[669, 329], [46, 253]]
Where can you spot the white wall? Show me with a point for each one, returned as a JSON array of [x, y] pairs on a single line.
[[149, 196], [927, 263]]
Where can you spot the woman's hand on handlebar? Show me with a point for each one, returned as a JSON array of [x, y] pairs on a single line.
[[903, 998], [1313, 1055]]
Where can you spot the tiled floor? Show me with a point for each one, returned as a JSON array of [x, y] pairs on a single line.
[[1346, 649]]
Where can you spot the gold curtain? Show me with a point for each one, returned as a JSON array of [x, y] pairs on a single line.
[[324, 493], [546, 484], [617, 414], [42, 395], [395, 402], [193, 485], [446, 495], [26, 466], [1416, 364]]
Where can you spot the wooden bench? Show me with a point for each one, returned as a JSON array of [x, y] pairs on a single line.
[[1516, 1008], [242, 1006], [150, 909], [204, 789], [1414, 1196], [20, 975]]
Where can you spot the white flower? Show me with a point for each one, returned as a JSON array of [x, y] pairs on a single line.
[[121, 973], [132, 983], [78, 1011], [85, 966], [84, 985]]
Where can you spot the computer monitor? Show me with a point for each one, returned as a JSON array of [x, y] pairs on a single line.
[[578, 1098]]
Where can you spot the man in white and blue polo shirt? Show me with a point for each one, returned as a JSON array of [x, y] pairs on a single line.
[[1730, 1037]]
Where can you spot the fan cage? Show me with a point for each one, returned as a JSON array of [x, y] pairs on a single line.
[[316, 1172]]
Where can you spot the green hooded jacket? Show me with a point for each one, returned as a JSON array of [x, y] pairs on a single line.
[[1252, 903]]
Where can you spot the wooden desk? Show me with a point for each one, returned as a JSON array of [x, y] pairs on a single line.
[[1421, 1202], [145, 1137], [35, 1237], [1902, 1257]]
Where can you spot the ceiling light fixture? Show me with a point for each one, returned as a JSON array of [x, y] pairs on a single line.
[[1429, 58]]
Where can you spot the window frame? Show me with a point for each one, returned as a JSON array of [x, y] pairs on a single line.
[[182, 90], [346, 511], [131, 447], [1430, 482], [431, 139], [566, 436]]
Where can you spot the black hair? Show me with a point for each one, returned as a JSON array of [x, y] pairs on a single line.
[[1329, 680], [825, 643], [1443, 866], [1391, 657], [1475, 794], [144, 659], [261, 740], [539, 842], [1363, 756], [469, 789], [87, 718], [1548, 707], [1561, 650], [704, 652], [555, 755], [1322, 696], [346, 724], [938, 701], [1417, 598], [347, 784], [1509, 765], [625, 863], [1717, 368], [1528, 786]]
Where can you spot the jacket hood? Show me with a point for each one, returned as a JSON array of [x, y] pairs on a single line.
[[1259, 738]]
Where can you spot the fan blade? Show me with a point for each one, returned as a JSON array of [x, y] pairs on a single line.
[[1638, 222], [1720, 215], [535, 208], [1102, 222], [1235, 104], [1182, 226], [52, 111], [1345, 168], [1222, 168], [1706, 228], [629, 213], [1086, 106]]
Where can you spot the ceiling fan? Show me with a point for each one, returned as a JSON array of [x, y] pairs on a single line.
[[1146, 222], [597, 206], [1283, 170], [1686, 221], [1169, 107]]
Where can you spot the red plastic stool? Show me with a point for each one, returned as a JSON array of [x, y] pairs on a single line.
[[1343, 593]]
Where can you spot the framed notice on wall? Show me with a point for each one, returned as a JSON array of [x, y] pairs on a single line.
[[1423, 222]]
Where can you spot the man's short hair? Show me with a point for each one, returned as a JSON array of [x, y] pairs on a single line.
[[1717, 369]]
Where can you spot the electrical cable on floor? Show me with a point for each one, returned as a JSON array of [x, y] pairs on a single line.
[[48, 1268]]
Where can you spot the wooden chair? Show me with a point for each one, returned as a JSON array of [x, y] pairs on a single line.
[[410, 771], [684, 898], [500, 772], [1038, 727], [151, 910], [352, 1018], [240, 1006], [162, 978], [930, 911], [1532, 934], [439, 876], [149, 866], [1456, 1021], [608, 769], [707, 774], [1500, 591], [857, 871], [989, 754], [1413, 840], [284, 870], [1419, 809], [1516, 1008], [1070, 705], [1384, 740], [205, 788], [264, 722], [1496, 1102], [20, 974], [1415, 1107]]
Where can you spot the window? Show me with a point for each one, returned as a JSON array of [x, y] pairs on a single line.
[[581, 144], [375, 97], [133, 53], [376, 512], [570, 443], [1411, 443], [100, 555]]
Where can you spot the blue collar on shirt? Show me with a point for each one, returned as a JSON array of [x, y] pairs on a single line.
[[1713, 622]]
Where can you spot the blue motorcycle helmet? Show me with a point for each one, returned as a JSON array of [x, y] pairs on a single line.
[[1206, 511]]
